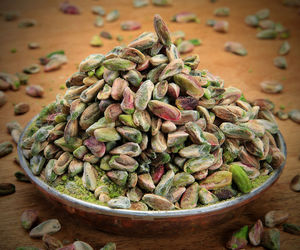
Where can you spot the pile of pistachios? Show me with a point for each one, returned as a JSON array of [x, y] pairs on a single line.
[[141, 128]]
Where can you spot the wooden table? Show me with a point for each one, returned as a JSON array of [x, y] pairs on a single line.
[[55, 31]]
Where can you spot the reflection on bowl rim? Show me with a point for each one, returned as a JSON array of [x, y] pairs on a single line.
[[149, 215]]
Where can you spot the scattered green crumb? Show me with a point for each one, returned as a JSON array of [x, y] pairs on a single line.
[[195, 41], [74, 187], [197, 20], [259, 180], [119, 38], [31, 129], [282, 107], [242, 98], [283, 78], [58, 52], [91, 73], [13, 50], [50, 89], [62, 87], [250, 70]]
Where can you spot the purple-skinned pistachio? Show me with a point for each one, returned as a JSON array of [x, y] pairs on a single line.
[[164, 110], [143, 95], [217, 180], [130, 25], [155, 126], [118, 88], [157, 202], [155, 73], [142, 120], [189, 198], [162, 30], [160, 90], [206, 197], [119, 177], [157, 173], [61, 165], [189, 84], [120, 202], [173, 68], [119, 64], [28, 218], [144, 65], [130, 148], [221, 26], [192, 61], [172, 52], [68, 8], [127, 104], [89, 176], [236, 48], [145, 182], [158, 142], [236, 131], [194, 165], [183, 179], [230, 96], [256, 233], [71, 130], [47, 227], [89, 116], [105, 93], [133, 55], [106, 134], [185, 47], [145, 41], [238, 239], [134, 77], [158, 59], [173, 90], [51, 242], [185, 17], [168, 127], [91, 62], [271, 87], [90, 93], [35, 91], [97, 148], [112, 112], [195, 133], [165, 184]]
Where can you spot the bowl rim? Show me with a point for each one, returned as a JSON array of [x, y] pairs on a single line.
[[148, 215]]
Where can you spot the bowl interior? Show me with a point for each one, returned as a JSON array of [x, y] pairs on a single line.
[[91, 207]]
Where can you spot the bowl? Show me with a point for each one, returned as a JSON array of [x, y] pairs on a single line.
[[131, 222]]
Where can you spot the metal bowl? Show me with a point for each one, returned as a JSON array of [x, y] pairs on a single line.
[[129, 222]]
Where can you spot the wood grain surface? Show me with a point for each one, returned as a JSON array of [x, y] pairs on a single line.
[[55, 31]]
